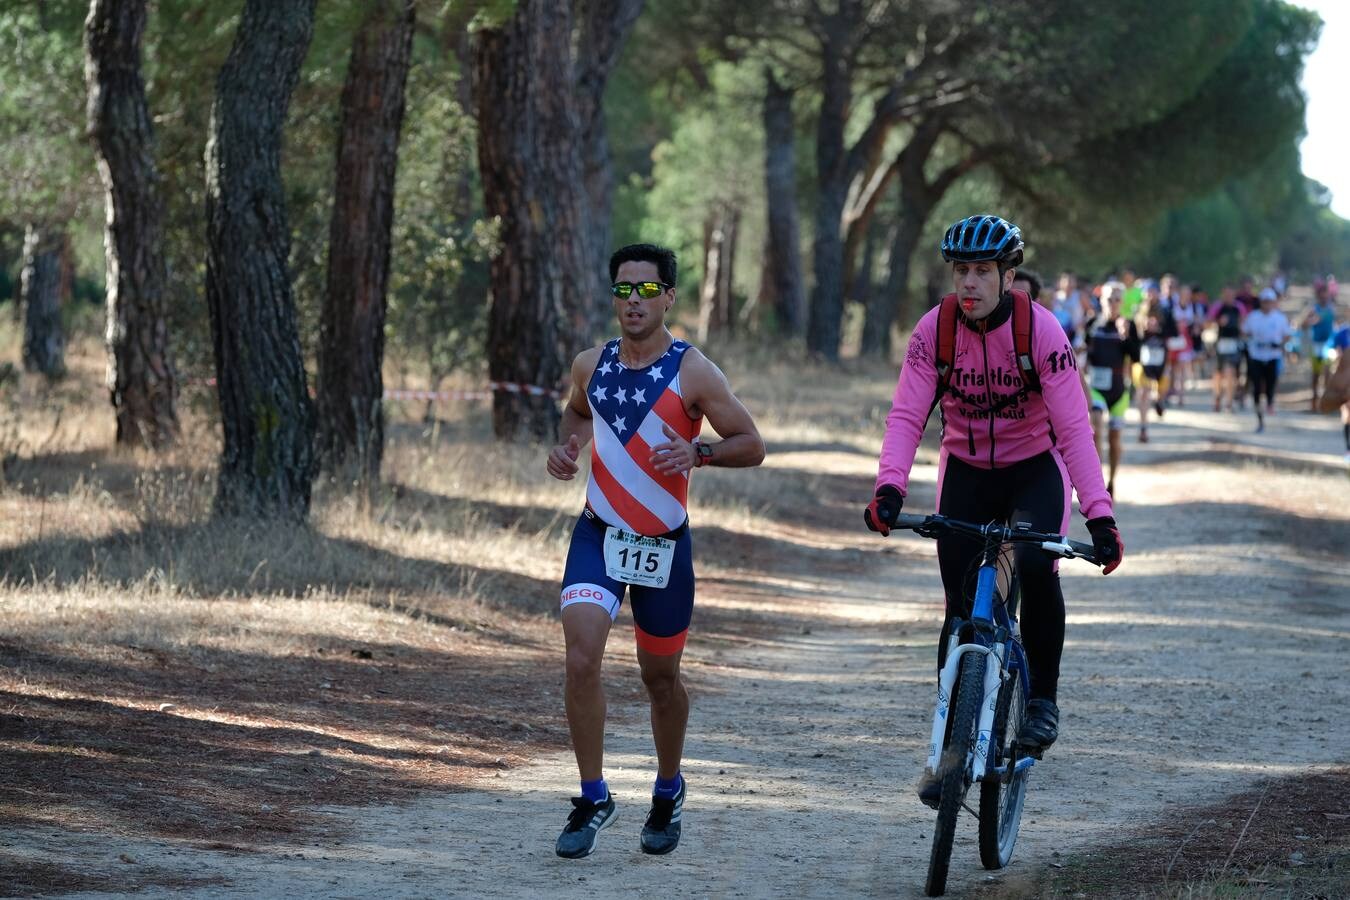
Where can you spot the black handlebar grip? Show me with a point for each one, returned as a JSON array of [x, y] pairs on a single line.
[[1083, 549]]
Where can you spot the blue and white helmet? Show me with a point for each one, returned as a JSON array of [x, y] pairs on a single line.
[[983, 238]]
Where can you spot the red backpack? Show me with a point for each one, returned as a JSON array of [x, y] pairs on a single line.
[[1022, 339]]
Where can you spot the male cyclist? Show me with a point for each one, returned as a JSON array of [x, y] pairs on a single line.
[[642, 398], [1010, 452]]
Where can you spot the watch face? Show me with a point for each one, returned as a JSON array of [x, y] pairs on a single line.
[[704, 450]]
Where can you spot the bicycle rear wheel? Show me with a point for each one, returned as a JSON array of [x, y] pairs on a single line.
[[1001, 800], [952, 769]]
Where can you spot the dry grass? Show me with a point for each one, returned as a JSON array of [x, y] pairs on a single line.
[[165, 674], [1287, 837]]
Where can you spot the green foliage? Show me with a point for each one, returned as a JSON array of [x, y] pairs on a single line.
[[714, 158], [438, 289], [48, 164]]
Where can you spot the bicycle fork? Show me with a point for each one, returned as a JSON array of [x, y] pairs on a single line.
[[978, 764]]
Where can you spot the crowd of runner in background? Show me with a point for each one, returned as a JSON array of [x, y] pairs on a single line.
[[1144, 342]]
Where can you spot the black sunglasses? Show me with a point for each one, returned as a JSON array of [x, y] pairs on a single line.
[[645, 289]]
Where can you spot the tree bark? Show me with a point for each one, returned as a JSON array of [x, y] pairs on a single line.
[[781, 288], [603, 27], [894, 301], [544, 277], [351, 344], [832, 178], [141, 380], [267, 462], [44, 285], [719, 261]]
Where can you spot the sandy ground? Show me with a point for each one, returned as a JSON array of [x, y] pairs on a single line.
[[1214, 656]]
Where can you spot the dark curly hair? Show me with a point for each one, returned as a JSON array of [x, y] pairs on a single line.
[[661, 257]]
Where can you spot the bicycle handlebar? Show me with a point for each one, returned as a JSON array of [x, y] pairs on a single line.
[[1056, 544]]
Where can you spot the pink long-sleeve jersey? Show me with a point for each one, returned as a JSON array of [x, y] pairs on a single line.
[[984, 376]]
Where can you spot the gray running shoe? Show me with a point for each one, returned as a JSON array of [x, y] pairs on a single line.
[[584, 824], [661, 833]]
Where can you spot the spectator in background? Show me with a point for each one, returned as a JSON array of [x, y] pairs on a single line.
[[1029, 281]]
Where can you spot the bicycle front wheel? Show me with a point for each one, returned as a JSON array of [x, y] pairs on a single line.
[[953, 769], [1001, 799]]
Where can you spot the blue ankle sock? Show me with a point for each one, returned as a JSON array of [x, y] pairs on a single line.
[[595, 791], [668, 788]]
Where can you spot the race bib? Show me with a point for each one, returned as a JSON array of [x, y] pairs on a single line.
[[1152, 355], [1176, 343], [1100, 378], [637, 559], [1226, 346]]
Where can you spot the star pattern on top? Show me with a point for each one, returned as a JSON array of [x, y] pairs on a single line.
[[606, 368], [640, 395], [655, 373], [619, 426], [599, 393], [621, 395]]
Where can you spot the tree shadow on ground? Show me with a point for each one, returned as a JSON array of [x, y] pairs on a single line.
[[252, 740], [1247, 523], [225, 558]]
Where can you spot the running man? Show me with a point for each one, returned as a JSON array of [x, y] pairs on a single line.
[[1267, 330], [1228, 315], [1320, 321], [642, 399], [1016, 442], [1112, 344], [1156, 327]]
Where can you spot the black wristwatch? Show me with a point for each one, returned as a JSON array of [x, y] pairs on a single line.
[[703, 451]]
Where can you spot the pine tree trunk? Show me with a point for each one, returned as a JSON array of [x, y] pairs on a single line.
[[895, 301], [603, 26], [832, 176], [719, 261], [782, 289], [351, 345], [267, 462], [44, 287], [141, 378], [545, 275]]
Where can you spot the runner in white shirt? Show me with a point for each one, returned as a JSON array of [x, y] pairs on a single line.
[[1267, 329]]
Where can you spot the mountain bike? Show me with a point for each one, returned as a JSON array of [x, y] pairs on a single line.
[[982, 697]]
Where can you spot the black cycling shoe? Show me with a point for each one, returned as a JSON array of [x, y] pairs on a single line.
[[584, 824], [930, 790], [1041, 728], [661, 833]]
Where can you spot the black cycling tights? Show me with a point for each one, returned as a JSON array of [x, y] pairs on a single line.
[[1033, 490]]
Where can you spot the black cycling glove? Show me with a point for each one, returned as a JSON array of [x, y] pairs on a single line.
[[1106, 543], [882, 512]]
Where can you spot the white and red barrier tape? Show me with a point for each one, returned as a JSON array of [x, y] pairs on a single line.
[[507, 387]]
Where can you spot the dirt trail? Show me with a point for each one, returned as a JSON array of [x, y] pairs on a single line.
[[1215, 656]]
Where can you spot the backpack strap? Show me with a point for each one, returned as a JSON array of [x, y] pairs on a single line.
[[946, 347], [1022, 319]]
